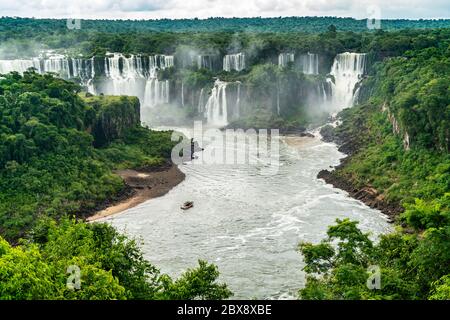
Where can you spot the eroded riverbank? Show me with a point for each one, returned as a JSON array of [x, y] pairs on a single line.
[[145, 185]]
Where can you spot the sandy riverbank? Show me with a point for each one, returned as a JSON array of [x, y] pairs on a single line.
[[146, 184]]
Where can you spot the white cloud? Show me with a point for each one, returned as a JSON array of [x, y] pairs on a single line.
[[148, 9]]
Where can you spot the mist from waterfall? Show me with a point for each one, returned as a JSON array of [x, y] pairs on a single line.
[[234, 62], [347, 70]]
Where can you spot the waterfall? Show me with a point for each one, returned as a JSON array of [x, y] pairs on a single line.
[[201, 101], [284, 59], [309, 63], [124, 75], [324, 92], [182, 93], [216, 109], [234, 62], [134, 75], [130, 76], [156, 92], [347, 70], [90, 81], [58, 64], [19, 65], [85, 71], [67, 68]]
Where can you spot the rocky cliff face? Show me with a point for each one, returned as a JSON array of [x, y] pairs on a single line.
[[114, 115]]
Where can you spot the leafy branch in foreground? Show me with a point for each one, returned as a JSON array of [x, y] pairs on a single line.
[[111, 267], [411, 266]]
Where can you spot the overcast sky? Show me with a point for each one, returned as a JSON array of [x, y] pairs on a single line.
[[150, 9]]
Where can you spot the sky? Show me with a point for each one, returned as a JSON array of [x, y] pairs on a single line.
[[154, 9]]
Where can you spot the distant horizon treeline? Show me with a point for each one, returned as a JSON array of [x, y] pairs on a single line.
[[254, 24]]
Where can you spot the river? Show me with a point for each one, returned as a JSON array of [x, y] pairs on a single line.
[[248, 223]]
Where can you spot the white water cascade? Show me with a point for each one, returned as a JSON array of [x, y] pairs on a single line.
[[58, 64], [124, 76], [134, 75], [201, 102], [130, 76], [156, 92], [234, 62], [85, 71], [309, 63], [347, 70], [19, 65], [64, 67], [216, 109], [182, 93], [285, 58]]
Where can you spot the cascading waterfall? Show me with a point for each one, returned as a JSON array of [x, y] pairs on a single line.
[[285, 58], [67, 68], [135, 75], [234, 62], [58, 64], [309, 63], [182, 93], [129, 76], [90, 81], [19, 65], [323, 94], [159, 62], [347, 70], [123, 75], [85, 71], [156, 92], [201, 102], [216, 109]]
